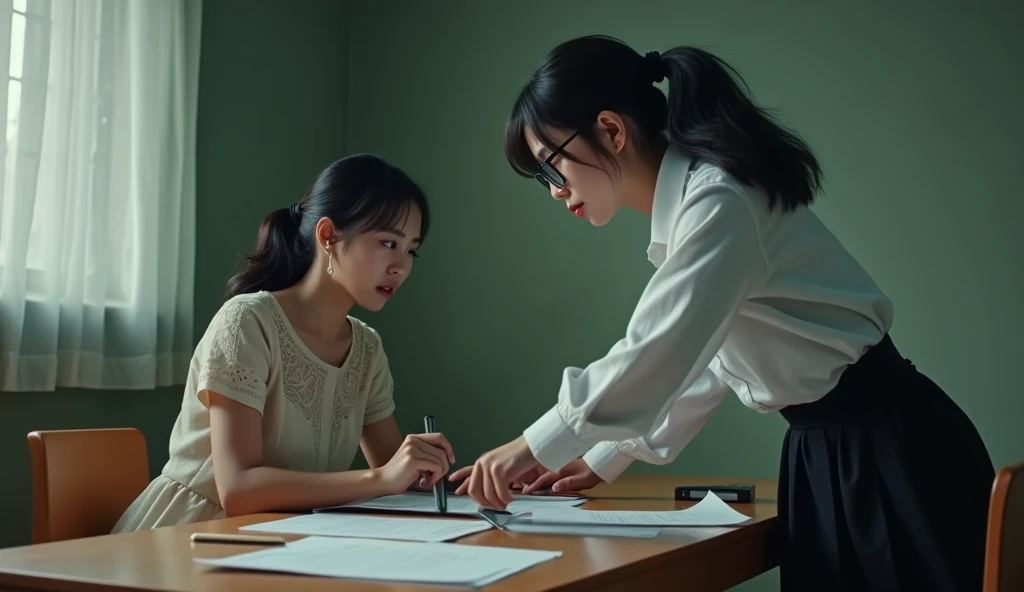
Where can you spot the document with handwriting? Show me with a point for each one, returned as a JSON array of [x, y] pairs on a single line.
[[710, 511], [396, 561], [374, 527]]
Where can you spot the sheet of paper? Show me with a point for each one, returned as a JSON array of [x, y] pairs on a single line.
[[397, 561], [548, 497], [710, 511], [457, 504], [374, 527], [525, 524]]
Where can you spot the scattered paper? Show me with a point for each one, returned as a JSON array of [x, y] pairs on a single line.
[[710, 511], [373, 527], [397, 561], [526, 525], [457, 504]]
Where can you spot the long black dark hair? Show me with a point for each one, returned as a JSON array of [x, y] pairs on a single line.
[[708, 113], [359, 193]]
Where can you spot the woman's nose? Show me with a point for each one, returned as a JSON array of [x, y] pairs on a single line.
[[558, 193]]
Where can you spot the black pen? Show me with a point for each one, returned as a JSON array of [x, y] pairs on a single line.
[[440, 496]]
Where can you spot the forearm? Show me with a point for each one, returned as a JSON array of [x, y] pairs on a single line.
[[662, 445], [268, 489]]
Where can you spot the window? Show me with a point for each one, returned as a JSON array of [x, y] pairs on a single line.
[[97, 213], [85, 202], [17, 49]]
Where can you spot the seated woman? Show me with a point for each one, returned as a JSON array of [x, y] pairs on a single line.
[[284, 385]]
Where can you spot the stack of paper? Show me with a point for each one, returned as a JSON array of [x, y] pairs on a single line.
[[710, 511], [399, 561], [457, 504], [373, 527]]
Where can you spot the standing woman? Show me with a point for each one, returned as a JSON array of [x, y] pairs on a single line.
[[752, 295]]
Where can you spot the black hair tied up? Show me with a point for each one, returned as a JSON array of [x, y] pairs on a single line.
[[360, 193], [708, 113], [655, 66]]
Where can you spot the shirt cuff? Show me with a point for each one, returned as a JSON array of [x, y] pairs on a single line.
[[552, 442], [607, 462]]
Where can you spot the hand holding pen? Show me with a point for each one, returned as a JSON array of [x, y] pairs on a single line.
[[422, 458]]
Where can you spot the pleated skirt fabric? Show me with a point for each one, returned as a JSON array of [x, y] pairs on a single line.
[[884, 485]]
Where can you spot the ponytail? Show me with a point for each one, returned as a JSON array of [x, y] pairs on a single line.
[[280, 260], [708, 114], [712, 118], [359, 193]]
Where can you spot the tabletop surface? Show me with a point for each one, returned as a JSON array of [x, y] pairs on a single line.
[[162, 559]]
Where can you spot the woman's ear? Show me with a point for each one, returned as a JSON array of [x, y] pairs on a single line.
[[612, 130], [324, 232]]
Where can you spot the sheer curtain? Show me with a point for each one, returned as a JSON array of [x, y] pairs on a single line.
[[97, 222]]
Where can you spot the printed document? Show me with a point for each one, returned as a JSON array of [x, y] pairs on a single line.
[[373, 527], [396, 561]]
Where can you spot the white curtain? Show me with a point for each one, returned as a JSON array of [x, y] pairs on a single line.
[[97, 222]]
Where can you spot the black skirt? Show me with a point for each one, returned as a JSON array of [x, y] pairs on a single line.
[[884, 485]]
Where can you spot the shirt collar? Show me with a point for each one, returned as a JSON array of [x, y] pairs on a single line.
[[668, 198], [668, 193]]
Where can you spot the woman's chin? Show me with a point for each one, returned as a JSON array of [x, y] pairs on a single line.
[[372, 305], [372, 302]]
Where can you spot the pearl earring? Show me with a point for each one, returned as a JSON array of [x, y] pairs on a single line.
[[330, 259]]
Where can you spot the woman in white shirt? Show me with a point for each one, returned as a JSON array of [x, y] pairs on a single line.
[[754, 296]]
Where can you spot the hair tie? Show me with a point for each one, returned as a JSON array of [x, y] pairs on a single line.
[[655, 66], [295, 212]]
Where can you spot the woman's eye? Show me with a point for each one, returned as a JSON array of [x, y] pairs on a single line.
[[388, 243], [414, 253]]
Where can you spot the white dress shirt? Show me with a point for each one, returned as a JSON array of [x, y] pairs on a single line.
[[765, 304]]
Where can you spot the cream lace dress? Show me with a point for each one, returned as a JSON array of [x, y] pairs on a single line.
[[313, 413]]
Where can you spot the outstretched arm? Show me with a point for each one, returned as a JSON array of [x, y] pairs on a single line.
[[681, 321], [247, 486]]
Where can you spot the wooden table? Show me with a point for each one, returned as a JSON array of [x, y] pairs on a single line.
[[695, 559]]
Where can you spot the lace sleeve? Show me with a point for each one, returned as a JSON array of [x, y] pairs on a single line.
[[234, 359], [380, 402]]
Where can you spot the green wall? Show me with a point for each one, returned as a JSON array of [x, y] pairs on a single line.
[[272, 113], [915, 116]]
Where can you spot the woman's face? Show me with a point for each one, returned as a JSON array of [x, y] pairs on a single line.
[[373, 265], [589, 191]]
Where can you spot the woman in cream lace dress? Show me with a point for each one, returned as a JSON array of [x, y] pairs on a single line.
[[285, 384]]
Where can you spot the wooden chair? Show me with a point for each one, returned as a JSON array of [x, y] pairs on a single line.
[[1004, 550], [83, 480]]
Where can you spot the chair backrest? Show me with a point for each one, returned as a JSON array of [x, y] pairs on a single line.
[[83, 480], [1004, 550]]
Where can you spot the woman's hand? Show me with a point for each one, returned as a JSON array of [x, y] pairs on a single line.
[[422, 458], [524, 480], [492, 475], [575, 476]]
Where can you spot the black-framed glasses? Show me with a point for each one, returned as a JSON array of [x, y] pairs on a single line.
[[547, 174]]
